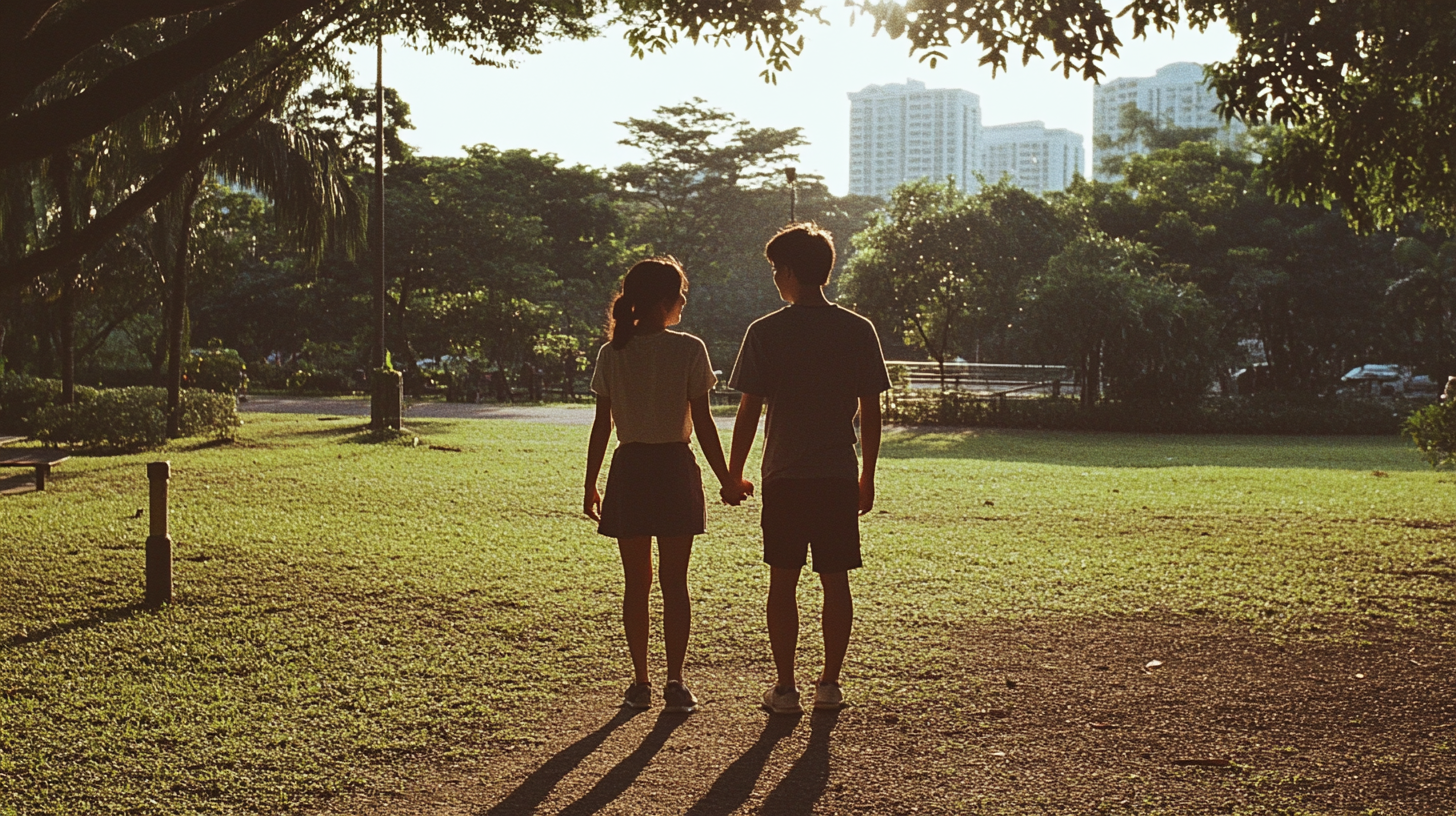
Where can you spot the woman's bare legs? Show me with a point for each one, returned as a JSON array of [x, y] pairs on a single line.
[[637, 569], [673, 553]]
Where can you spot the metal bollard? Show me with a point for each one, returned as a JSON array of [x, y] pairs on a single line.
[[159, 542]]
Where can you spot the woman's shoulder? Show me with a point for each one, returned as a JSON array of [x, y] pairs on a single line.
[[685, 340]]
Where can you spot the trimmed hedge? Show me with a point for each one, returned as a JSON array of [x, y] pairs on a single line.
[[112, 418], [1263, 414]]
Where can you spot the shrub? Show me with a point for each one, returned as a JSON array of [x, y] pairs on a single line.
[[207, 414], [134, 418], [120, 418], [21, 397], [1433, 429], [215, 369], [1263, 414]]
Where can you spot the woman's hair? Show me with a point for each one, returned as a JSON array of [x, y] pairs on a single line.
[[645, 285]]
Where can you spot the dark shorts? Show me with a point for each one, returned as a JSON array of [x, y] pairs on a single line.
[[653, 490], [822, 514]]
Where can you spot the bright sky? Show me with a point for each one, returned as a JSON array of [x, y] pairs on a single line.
[[566, 99]]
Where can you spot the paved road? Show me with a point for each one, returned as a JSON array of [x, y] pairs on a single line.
[[359, 406]]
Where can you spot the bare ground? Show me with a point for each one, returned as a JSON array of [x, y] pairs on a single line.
[[1035, 718]]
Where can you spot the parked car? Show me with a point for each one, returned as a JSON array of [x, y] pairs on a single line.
[[1388, 380]]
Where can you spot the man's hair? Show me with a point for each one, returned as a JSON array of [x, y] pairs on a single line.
[[806, 248]]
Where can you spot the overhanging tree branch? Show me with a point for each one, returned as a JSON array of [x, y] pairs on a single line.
[[33, 135], [186, 157], [39, 53]]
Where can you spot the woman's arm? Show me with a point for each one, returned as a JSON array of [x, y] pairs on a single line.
[[596, 451], [733, 490]]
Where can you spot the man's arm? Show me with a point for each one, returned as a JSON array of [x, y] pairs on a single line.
[[745, 428], [596, 451], [869, 444]]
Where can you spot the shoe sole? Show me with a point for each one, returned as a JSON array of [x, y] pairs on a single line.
[[679, 709]]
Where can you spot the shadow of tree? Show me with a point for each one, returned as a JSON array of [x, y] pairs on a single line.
[[536, 787], [733, 787], [621, 777]]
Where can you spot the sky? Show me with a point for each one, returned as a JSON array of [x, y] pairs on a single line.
[[566, 99]]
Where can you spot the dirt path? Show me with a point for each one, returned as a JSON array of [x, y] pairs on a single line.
[[359, 406], [1046, 718]]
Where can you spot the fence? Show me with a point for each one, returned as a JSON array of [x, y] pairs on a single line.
[[984, 379]]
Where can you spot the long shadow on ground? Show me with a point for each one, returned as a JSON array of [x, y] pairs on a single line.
[[621, 777], [533, 791], [736, 783]]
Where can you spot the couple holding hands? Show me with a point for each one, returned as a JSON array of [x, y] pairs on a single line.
[[815, 365]]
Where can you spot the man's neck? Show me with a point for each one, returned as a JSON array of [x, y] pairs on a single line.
[[811, 299]]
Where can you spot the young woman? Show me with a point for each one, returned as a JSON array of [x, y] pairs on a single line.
[[653, 384]]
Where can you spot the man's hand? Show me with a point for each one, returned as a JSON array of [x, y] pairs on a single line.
[[734, 494], [866, 494], [591, 503]]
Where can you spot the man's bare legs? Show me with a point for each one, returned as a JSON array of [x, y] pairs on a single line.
[[838, 623], [783, 622], [674, 552]]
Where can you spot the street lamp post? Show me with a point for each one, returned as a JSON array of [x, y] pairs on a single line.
[[386, 388], [792, 174]]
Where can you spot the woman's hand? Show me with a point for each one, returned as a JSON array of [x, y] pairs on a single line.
[[591, 503], [734, 494]]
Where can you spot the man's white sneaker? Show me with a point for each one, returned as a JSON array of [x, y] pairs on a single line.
[[828, 697], [678, 700], [782, 701]]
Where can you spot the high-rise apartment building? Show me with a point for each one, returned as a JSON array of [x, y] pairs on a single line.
[[1033, 158], [1175, 95], [898, 133]]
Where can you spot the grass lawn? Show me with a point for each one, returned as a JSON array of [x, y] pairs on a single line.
[[346, 610]]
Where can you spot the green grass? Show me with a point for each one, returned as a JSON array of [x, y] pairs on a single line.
[[345, 608]]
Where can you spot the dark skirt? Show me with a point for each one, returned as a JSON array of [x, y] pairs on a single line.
[[653, 490]]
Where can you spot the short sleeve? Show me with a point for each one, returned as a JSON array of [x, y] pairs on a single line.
[[871, 378], [750, 374], [701, 378], [599, 381]]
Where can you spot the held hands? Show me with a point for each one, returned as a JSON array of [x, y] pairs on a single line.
[[591, 503], [735, 494]]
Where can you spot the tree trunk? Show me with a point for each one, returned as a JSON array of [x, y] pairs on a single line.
[[68, 339], [178, 307]]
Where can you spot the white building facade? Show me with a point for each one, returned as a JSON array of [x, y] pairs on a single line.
[[1031, 157], [899, 133], [1175, 95]]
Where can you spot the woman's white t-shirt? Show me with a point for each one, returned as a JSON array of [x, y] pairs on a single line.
[[650, 382]]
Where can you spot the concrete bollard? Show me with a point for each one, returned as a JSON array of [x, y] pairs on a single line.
[[159, 542]]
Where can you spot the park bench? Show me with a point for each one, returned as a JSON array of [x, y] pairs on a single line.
[[41, 460]]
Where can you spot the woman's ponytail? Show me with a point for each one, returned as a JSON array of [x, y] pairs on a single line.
[[654, 280], [622, 320]]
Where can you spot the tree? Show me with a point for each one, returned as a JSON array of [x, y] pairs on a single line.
[[1140, 130], [947, 266], [1102, 306], [1423, 302], [711, 193]]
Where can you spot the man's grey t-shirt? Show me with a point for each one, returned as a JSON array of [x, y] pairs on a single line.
[[811, 364]]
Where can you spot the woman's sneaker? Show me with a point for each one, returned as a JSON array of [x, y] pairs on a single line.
[[639, 696], [782, 701], [828, 697], [678, 700]]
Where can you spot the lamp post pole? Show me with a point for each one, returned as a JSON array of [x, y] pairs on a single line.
[[792, 174], [376, 356]]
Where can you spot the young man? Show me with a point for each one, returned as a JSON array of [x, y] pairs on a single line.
[[815, 364]]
